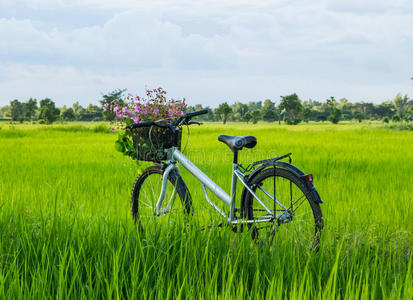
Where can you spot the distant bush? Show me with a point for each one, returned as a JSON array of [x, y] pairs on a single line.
[[101, 128], [402, 126], [335, 116], [386, 119], [396, 118], [359, 116], [290, 121], [79, 128]]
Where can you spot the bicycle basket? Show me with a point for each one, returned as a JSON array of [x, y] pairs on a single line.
[[150, 142]]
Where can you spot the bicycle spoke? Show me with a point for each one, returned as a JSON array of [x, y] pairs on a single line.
[[145, 197], [296, 224]]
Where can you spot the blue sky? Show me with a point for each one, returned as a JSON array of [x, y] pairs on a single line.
[[206, 51]]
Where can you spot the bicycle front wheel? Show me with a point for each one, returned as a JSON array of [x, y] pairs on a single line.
[[145, 196], [290, 214]]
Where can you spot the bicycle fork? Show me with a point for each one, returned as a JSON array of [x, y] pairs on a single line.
[[161, 198]]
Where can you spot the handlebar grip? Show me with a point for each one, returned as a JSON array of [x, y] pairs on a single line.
[[197, 113]]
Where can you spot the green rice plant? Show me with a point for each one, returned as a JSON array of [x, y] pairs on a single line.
[[66, 229]]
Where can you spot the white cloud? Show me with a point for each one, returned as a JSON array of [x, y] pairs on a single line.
[[259, 49]]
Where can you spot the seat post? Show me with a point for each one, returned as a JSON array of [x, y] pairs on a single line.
[[235, 161], [231, 215]]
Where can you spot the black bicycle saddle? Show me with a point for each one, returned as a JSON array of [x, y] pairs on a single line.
[[236, 143]]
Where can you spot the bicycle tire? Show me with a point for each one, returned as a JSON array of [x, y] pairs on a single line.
[[310, 228], [142, 202]]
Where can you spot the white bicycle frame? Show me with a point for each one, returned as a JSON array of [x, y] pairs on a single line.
[[174, 156]]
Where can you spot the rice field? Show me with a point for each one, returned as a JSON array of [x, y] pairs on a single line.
[[66, 229]]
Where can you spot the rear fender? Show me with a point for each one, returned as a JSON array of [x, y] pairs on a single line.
[[289, 167]]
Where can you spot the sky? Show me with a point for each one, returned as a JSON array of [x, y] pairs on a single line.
[[206, 51]]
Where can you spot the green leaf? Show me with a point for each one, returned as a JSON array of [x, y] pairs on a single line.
[[128, 121], [119, 146]]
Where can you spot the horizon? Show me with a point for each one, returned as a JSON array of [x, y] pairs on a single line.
[[216, 106]]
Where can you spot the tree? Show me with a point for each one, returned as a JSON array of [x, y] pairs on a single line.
[[78, 110], [254, 105], [115, 95], [247, 117], [269, 115], [30, 108], [16, 110], [385, 109], [4, 111], [335, 116], [401, 104], [359, 116], [268, 105], [279, 113], [238, 111], [48, 111], [256, 115], [268, 111], [224, 110], [335, 113], [293, 107], [93, 113], [68, 114], [306, 114]]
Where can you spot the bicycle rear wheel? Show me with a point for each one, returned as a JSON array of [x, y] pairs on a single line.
[[298, 220], [145, 194]]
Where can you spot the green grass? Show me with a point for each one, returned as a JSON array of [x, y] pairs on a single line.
[[66, 229]]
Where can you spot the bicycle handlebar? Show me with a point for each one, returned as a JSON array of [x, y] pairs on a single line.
[[145, 124], [197, 113], [181, 120]]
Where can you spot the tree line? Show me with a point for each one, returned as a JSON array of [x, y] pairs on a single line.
[[292, 110], [46, 112], [289, 109]]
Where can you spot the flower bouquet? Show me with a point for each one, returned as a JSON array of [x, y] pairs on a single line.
[[146, 143]]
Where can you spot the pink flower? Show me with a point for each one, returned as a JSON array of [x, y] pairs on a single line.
[[137, 107], [137, 98], [125, 112], [155, 111], [180, 113], [148, 92], [116, 108], [135, 119], [105, 106], [118, 113], [144, 111], [170, 112], [184, 104], [112, 129]]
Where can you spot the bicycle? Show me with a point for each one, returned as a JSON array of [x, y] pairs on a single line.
[[276, 195]]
